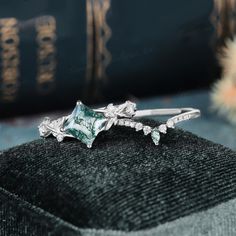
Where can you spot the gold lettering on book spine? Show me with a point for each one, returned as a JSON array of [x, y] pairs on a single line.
[[90, 36], [103, 34], [46, 53], [98, 35], [10, 58]]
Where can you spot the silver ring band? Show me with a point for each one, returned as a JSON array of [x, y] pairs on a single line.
[[85, 123]]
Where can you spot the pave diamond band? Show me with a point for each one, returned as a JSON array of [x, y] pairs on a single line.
[[85, 123]]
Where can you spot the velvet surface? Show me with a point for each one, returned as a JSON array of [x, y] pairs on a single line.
[[20, 218], [124, 182]]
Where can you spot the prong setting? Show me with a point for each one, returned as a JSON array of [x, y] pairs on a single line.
[[85, 123], [163, 128]]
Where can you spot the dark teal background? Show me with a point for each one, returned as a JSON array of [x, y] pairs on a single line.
[[157, 47]]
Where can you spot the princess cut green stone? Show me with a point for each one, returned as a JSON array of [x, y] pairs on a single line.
[[85, 124]]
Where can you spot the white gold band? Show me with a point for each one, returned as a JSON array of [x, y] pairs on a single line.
[[85, 123]]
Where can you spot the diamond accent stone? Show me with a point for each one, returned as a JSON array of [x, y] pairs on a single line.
[[60, 138], [110, 111], [132, 124], [130, 108], [121, 122], [170, 124], [85, 124], [139, 126], [127, 123], [147, 130], [155, 136], [43, 130], [163, 128], [126, 109]]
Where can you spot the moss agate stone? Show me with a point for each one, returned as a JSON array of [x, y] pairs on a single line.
[[155, 136], [85, 124]]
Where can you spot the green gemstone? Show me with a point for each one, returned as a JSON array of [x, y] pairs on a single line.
[[155, 136], [85, 124]]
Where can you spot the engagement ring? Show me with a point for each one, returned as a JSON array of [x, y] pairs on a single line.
[[85, 123]]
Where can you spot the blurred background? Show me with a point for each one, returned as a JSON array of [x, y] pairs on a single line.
[[158, 54]]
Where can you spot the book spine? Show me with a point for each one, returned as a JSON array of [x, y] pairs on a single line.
[[99, 51]]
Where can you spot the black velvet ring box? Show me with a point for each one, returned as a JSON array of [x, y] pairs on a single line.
[[123, 184]]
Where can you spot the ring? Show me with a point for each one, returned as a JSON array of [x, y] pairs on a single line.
[[85, 123]]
